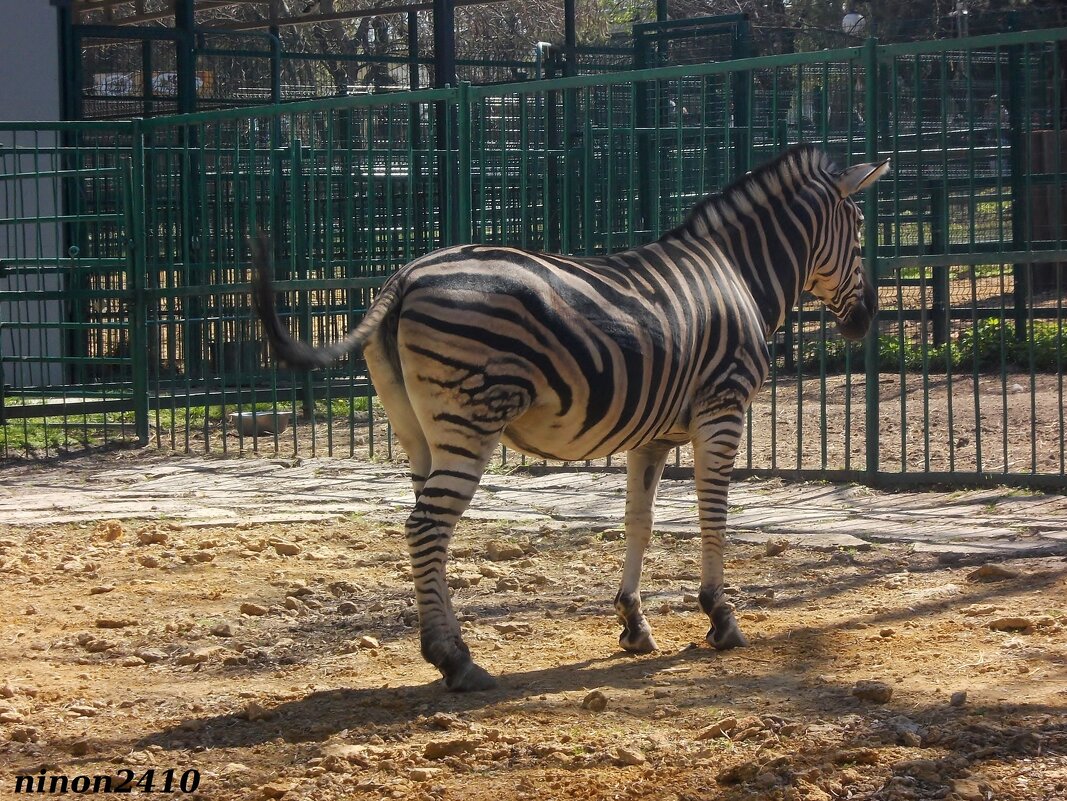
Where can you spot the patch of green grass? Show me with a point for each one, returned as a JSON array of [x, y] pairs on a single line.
[[991, 344], [1024, 492], [28, 436], [497, 469], [341, 407], [196, 417]]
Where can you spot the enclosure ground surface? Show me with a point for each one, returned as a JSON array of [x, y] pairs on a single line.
[[252, 620]]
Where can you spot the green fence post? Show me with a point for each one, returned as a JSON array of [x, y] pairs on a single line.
[[569, 203], [1018, 74], [939, 222], [870, 350], [642, 141], [275, 65], [185, 56], [463, 160], [741, 91], [68, 57], [299, 238], [415, 170], [135, 238], [147, 69]]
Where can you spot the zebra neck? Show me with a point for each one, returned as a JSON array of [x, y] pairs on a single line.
[[771, 265], [764, 225]]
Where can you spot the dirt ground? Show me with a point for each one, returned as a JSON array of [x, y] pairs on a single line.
[[1011, 424], [281, 662]]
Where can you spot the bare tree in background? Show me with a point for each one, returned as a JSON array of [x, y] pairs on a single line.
[[508, 31]]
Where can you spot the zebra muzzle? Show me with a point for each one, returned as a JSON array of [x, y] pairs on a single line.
[[857, 321]]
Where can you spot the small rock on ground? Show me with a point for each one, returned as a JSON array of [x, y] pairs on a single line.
[[629, 756], [1011, 624], [501, 551], [720, 728], [993, 572], [776, 547], [439, 749], [595, 701], [877, 691], [283, 548]]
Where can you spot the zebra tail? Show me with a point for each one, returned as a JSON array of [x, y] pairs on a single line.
[[293, 352]]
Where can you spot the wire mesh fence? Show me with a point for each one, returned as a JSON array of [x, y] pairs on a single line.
[[962, 382]]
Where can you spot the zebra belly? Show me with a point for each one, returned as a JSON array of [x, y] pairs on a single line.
[[551, 441]]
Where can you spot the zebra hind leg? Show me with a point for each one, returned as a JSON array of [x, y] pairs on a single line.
[[445, 495], [644, 466]]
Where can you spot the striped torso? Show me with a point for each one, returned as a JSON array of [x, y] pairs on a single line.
[[603, 354]]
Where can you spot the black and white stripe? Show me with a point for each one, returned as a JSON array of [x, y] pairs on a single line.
[[577, 358]]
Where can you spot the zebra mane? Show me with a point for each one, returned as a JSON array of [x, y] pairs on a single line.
[[797, 166]]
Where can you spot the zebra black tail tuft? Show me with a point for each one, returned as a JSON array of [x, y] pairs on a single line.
[[292, 352]]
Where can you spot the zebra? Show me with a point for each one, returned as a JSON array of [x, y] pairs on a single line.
[[569, 358]]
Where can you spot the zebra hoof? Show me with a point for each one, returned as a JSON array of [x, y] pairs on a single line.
[[470, 679], [726, 636], [640, 643]]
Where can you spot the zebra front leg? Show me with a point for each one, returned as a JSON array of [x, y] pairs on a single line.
[[715, 445], [644, 466], [445, 495]]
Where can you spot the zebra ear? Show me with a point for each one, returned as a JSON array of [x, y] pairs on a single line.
[[860, 177]]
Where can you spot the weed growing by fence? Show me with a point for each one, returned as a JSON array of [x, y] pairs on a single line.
[[994, 343]]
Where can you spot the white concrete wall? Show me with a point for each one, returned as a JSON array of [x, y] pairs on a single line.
[[29, 90]]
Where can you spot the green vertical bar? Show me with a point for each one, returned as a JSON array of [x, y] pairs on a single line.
[[502, 230], [463, 148], [69, 55], [1019, 159], [870, 350], [587, 176], [185, 23], [275, 64], [609, 195], [633, 187], [567, 205], [524, 170], [135, 232]]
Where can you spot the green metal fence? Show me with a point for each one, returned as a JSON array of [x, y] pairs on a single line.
[[124, 284]]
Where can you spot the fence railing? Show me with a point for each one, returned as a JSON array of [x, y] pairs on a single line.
[[124, 264]]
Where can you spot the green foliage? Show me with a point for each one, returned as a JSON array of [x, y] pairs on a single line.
[[991, 343], [40, 434], [22, 436], [341, 407]]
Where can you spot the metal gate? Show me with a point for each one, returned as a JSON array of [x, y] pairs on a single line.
[[71, 318]]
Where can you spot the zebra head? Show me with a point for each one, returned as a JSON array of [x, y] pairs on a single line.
[[837, 276]]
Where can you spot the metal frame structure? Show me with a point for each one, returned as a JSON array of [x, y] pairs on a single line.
[[183, 14], [151, 246]]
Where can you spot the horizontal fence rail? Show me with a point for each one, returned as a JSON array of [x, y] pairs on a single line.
[[124, 263]]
